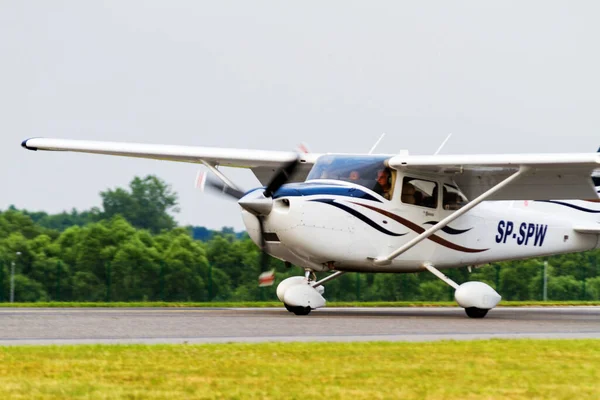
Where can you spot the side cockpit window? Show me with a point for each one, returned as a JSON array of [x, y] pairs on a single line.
[[419, 192], [452, 198]]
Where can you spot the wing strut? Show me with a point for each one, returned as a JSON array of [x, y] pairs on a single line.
[[388, 259]]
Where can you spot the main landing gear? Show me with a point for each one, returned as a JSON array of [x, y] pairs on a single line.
[[477, 298]]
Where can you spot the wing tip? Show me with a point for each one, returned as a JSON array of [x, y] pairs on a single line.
[[24, 145]]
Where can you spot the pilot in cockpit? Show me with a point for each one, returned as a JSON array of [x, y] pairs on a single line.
[[354, 176]]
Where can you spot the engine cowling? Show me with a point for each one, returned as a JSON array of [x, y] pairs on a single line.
[[478, 295]]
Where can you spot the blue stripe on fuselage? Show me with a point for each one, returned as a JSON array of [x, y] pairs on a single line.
[[311, 189], [573, 206]]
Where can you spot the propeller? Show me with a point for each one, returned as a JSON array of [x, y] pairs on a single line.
[[267, 278], [259, 204]]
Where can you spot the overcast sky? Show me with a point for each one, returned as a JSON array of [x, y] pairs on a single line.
[[503, 77]]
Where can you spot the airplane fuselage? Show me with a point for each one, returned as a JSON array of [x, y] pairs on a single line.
[[335, 225]]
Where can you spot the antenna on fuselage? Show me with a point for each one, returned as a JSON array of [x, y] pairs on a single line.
[[376, 143], [442, 145]]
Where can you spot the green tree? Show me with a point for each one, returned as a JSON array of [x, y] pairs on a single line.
[[185, 268], [63, 220], [28, 290], [13, 221], [87, 287], [515, 278], [564, 287], [228, 255], [593, 288], [391, 287], [433, 291], [136, 272], [145, 206]]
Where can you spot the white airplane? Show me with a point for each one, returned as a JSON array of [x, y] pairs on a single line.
[[398, 213]]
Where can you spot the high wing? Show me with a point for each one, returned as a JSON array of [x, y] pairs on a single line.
[[262, 162], [547, 176]]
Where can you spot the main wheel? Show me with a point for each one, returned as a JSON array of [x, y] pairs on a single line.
[[301, 310], [298, 310], [474, 312]]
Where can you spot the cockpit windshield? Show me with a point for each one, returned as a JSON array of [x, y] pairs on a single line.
[[367, 171]]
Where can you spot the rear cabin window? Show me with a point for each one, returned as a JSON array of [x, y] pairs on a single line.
[[419, 192], [452, 198]]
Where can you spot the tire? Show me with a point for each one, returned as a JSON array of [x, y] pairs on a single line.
[[474, 312], [298, 310]]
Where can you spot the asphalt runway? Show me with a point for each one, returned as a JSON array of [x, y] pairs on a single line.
[[219, 325]]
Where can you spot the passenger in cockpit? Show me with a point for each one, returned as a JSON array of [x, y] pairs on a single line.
[[384, 183]]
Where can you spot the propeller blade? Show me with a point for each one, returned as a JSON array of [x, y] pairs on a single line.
[[266, 278], [281, 177], [263, 243], [264, 261], [222, 187]]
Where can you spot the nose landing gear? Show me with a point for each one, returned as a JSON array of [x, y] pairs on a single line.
[[301, 295]]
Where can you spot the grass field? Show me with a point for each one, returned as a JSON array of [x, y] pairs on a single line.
[[496, 369], [278, 304]]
